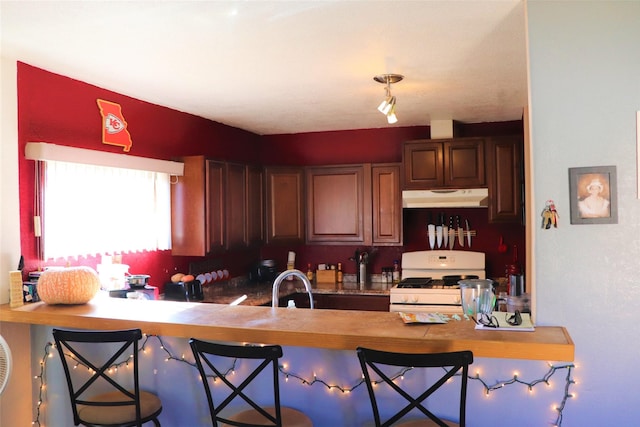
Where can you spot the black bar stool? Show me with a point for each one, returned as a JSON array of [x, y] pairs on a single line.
[[376, 361], [99, 351], [210, 357]]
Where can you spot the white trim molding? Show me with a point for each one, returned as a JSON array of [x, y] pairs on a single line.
[[46, 151]]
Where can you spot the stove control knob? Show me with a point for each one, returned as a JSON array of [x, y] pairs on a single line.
[[404, 299], [458, 300], [414, 298]]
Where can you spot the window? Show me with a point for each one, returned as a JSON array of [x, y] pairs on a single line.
[[90, 210]]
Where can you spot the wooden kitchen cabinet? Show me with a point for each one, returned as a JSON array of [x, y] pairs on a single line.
[[197, 212], [284, 194], [236, 219], [505, 179], [338, 201], [354, 204], [255, 205], [450, 163], [387, 204], [339, 301], [211, 210]]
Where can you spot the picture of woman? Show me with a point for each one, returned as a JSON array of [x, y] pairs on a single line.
[[595, 202], [593, 195]]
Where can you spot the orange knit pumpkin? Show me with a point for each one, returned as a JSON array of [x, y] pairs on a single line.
[[72, 285]]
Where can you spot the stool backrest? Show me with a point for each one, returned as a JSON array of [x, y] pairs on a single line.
[[122, 346], [218, 360], [375, 361]]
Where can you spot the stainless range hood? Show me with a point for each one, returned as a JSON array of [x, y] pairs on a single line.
[[445, 198]]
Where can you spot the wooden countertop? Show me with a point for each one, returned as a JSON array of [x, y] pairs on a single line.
[[332, 329]]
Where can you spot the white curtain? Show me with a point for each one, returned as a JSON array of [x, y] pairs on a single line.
[[90, 210]]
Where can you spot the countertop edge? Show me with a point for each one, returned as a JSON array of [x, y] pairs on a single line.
[[330, 329]]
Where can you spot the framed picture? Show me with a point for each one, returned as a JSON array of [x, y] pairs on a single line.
[[593, 195]]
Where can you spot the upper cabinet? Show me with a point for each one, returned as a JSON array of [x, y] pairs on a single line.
[[193, 216], [338, 207], [236, 218], [215, 206], [387, 204], [504, 161], [354, 204], [284, 196], [255, 205], [448, 163]]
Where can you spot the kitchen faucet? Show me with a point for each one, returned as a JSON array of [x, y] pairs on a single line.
[[297, 273]]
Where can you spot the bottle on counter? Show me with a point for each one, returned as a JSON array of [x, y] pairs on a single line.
[[396, 272], [309, 272], [339, 275]]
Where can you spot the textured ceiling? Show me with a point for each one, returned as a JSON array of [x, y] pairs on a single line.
[[276, 67]]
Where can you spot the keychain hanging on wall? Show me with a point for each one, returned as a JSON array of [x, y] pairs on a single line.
[[549, 215]]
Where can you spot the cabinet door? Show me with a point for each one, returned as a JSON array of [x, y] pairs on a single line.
[[284, 205], [387, 204], [339, 204], [255, 205], [423, 165], [505, 177], [236, 206], [188, 212], [464, 163], [215, 207]]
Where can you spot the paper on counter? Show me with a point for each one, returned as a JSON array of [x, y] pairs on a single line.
[[423, 317]]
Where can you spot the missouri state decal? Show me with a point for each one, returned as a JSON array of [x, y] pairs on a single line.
[[114, 126]]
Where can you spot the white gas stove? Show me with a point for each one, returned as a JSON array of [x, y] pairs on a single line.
[[429, 281]]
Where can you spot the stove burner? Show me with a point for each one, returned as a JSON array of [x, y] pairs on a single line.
[[415, 282], [427, 283], [454, 279]]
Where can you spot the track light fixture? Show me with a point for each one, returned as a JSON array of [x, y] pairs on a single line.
[[388, 105]]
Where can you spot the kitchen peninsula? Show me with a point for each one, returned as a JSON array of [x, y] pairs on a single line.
[[329, 329], [315, 342]]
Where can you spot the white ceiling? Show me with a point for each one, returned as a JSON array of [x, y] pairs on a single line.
[[275, 67]]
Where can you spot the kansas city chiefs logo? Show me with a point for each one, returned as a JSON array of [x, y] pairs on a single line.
[[113, 124]]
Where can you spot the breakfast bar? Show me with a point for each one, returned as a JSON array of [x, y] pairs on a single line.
[[329, 329], [319, 353]]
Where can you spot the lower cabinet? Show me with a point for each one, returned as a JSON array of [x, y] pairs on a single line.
[[340, 301]]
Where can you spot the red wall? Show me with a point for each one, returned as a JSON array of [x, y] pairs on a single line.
[[380, 146], [57, 109]]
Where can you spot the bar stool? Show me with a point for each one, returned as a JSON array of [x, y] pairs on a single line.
[[209, 360], [99, 351], [376, 361]]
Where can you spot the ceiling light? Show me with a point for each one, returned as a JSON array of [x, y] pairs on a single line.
[[388, 105]]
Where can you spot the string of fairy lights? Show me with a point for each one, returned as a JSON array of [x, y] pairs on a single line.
[[488, 387]]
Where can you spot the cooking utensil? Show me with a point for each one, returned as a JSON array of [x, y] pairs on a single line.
[[460, 231], [502, 248], [431, 231], [445, 231], [138, 281], [466, 223], [452, 233]]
